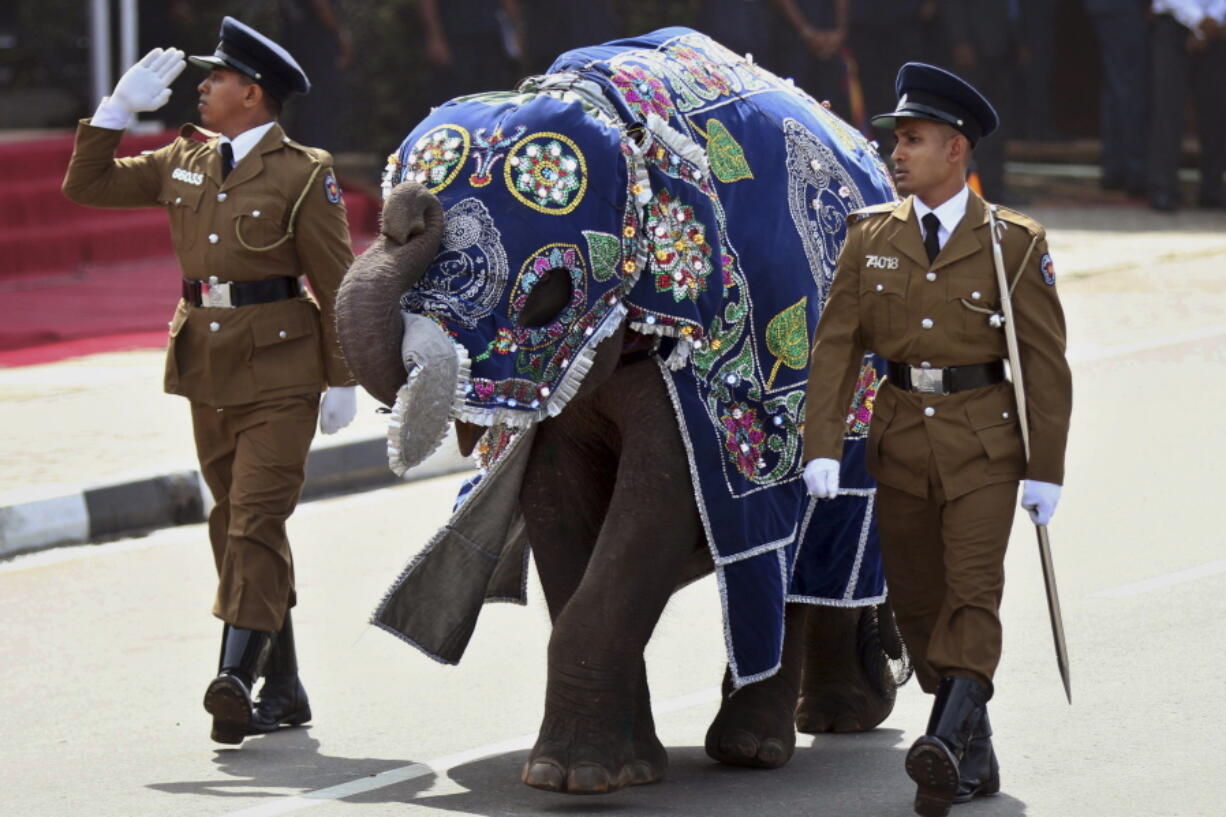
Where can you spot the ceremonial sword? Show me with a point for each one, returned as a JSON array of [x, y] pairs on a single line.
[[1019, 391]]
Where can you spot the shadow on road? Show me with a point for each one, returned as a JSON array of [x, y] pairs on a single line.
[[851, 775]]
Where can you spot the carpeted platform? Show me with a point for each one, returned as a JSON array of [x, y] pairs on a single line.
[[77, 280]]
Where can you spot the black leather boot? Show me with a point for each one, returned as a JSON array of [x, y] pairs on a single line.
[[228, 698], [934, 760], [282, 701], [979, 774]]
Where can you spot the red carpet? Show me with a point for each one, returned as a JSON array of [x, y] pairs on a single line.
[[79, 280]]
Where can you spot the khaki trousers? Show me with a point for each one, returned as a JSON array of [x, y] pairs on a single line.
[[944, 563], [253, 458]]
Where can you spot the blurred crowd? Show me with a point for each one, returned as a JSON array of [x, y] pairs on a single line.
[[1150, 71]]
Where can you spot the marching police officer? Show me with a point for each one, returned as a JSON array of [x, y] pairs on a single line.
[[916, 283], [250, 212]]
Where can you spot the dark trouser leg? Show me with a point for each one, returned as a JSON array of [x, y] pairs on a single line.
[[1169, 81], [256, 571], [1210, 90], [1121, 39], [944, 563]]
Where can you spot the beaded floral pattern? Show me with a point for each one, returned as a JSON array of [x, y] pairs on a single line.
[[643, 92], [862, 401], [743, 438], [436, 158], [680, 254], [547, 172], [553, 257]]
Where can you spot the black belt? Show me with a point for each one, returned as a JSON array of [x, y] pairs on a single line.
[[239, 293], [947, 380]]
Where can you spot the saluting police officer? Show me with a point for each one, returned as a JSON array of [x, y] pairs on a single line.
[[916, 284], [250, 212]]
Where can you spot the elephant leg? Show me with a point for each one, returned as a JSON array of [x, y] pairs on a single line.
[[754, 725], [846, 685], [597, 734]]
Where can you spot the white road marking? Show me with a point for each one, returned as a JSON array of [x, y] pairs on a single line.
[[1164, 581], [437, 766]]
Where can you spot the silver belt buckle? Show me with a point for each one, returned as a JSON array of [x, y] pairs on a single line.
[[927, 381], [216, 295]]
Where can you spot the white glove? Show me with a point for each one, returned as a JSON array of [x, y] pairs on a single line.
[[146, 85], [822, 478], [338, 409], [1039, 499]]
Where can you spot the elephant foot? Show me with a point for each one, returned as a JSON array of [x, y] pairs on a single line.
[[839, 707], [578, 755], [846, 684], [754, 725]]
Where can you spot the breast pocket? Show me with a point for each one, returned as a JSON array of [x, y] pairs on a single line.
[[970, 303], [260, 223], [182, 203], [883, 304], [286, 349]]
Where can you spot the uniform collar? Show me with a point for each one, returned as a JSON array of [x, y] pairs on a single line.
[[949, 213], [245, 141]]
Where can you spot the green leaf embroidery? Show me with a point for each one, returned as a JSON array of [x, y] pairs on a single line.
[[787, 337], [725, 154]]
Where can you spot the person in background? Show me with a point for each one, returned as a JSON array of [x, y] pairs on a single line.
[[251, 211], [1187, 48], [1120, 29]]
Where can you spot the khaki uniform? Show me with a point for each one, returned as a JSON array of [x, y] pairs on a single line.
[[947, 465], [252, 373]]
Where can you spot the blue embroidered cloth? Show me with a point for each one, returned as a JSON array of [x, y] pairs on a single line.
[[702, 199]]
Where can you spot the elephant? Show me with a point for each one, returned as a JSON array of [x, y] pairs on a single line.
[[606, 281]]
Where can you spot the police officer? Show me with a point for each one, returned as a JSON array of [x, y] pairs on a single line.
[[250, 212], [916, 284]]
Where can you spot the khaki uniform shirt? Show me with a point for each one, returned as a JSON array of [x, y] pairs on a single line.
[[885, 293], [231, 229]]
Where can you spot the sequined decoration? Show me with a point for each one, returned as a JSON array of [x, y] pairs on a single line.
[[643, 92], [467, 276], [604, 250], [680, 255], [437, 157], [743, 438], [487, 152], [725, 154], [862, 400], [550, 257], [547, 172], [787, 337]]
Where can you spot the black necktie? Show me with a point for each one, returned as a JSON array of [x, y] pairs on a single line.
[[931, 225], [227, 159]]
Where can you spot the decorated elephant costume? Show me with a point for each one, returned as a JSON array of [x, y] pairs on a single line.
[[615, 273]]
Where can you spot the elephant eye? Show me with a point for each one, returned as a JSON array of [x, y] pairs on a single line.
[[548, 297]]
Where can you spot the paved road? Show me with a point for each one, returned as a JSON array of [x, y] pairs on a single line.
[[107, 649]]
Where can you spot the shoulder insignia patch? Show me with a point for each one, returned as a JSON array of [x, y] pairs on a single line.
[[1048, 268], [331, 189]]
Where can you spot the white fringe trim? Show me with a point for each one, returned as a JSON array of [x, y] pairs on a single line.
[[566, 389], [678, 142], [400, 414]]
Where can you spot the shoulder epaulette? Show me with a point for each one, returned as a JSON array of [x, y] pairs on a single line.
[[315, 154], [1020, 219], [875, 210], [191, 130]]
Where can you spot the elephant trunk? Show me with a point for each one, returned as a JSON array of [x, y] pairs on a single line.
[[368, 321]]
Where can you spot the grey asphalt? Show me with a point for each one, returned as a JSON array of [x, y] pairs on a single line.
[[107, 649]]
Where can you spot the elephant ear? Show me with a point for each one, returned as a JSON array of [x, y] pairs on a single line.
[[368, 323], [438, 372]]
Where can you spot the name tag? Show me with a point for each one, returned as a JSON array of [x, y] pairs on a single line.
[[188, 176], [881, 261]]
